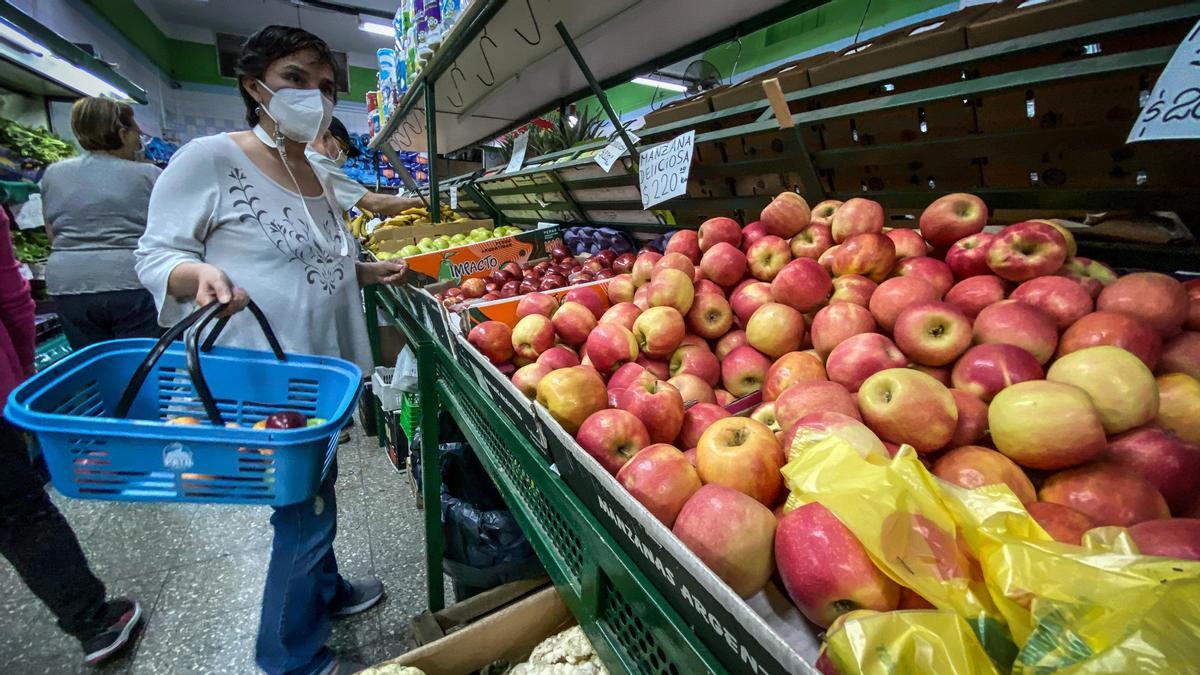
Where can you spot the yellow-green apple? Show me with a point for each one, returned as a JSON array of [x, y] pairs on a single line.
[[951, 217], [1181, 354], [572, 323], [817, 426], [972, 294], [789, 369], [493, 339], [811, 242], [730, 533], [802, 284], [729, 342], [643, 267], [686, 242], [1093, 275], [659, 367], [1166, 461], [857, 216], [811, 396], [908, 406], [1046, 425], [676, 261], [622, 314], [752, 233], [558, 356], [527, 377], [1016, 323], [826, 570], [592, 297], [1062, 523], [922, 547], [571, 395], [1121, 387], [723, 264], [742, 454], [1168, 537], [693, 389], [658, 331], [536, 303], [972, 418], [1025, 250], [929, 269], [1179, 405], [1116, 329], [822, 213], [621, 289], [767, 256], [662, 479], [932, 333], [1193, 291], [972, 466], [765, 413], [826, 259], [611, 346], [895, 294], [786, 215], [860, 356], [968, 256], [671, 288], [657, 404], [775, 329], [747, 298], [532, 335], [1109, 494], [695, 360], [836, 322], [612, 437], [1062, 299], [872, 255], [716, 231], [984, 370], [705, 286], [1154, 298], [908, 243], [696, 419], [624, 376], [743, 370], [853, 288], [710, 316]]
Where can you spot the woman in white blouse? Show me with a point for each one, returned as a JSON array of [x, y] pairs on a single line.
[[245, 214]]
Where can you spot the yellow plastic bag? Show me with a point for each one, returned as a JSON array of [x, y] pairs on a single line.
[[920, 642]]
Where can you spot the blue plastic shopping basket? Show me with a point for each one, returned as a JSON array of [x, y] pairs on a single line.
[[100, 417]]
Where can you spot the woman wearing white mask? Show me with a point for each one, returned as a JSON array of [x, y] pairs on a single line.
[[242, 215]]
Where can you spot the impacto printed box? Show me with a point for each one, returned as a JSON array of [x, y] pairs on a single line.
[[479, 260]]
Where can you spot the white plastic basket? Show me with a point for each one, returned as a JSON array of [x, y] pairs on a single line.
[[381, 385]]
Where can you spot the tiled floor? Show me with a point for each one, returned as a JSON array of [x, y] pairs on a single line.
[[198, 571]]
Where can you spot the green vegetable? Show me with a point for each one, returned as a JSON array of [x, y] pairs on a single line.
[[31, 246], [34, 143]]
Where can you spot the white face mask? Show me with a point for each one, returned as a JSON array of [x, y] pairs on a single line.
[[299, 114]]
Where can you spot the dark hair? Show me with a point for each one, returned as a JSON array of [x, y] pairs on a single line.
[[97, 122], [269, 45]]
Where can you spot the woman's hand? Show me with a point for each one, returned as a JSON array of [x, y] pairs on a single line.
[[213, 284], [388, 272]]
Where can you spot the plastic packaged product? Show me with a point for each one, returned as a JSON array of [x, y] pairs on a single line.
[[387, 77], [450, 11], [433, 24], [372, 101]]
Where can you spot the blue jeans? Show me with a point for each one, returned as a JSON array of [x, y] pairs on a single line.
[[302, 582]]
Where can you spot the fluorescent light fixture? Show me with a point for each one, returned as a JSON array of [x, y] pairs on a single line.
[[384, 29], [21, 49], [661, 84]]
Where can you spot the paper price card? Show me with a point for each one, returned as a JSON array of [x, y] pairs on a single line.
[[663, 169], [1173, 109], [518, 153], [453, 197], [613, 151]]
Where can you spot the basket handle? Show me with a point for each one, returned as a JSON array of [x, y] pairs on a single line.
[[262, 323], [148, 363]]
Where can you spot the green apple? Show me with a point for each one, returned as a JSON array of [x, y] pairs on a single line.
[[481, 231], [409, 250], [442, 242], [426, 245]]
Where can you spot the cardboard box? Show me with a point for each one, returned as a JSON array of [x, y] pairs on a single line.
[[1011, 19], [393, 239], [479, 260], [792, 77], [699, 104]]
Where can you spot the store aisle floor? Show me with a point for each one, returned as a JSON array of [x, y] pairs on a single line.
[[198, 571]]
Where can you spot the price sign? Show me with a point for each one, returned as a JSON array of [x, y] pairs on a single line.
[[663, 169], [518, 153], [613, 151], [1173, 109], [453, 197]]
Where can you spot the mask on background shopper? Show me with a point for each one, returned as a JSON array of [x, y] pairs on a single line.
[[299, 114]]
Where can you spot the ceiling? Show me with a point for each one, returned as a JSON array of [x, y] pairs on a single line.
[[197, 20]]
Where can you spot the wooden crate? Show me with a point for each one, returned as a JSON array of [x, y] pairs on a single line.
[[1011, 19]]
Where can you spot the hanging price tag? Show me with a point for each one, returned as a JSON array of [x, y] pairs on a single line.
[[518, 154], [613, 151], [663, 169], [453, 197], [1173, 109]]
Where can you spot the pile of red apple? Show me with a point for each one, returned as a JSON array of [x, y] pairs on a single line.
[[1000, 358]]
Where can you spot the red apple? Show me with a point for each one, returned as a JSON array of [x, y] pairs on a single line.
[[1168, 462], [1181, 354], [1046, 425], [811, 242], [815, 427], [657, 404], [536, 303], [710, 316], [730, 341], [1016, 323], [822, 213], [786, 215], [826, 259], [705, 286], [857, 216], [687, 243], [592, 297], [1116, 329], [812, 396], [968, 256], [621, 289], [532, 335], [723, 264], [747, 298], [571, 395], [932, 333], [765, 413], [676, 261], [858, 357], [698, 418], [1062, 523], [908, 243], [1106, 493], [693, 389], [940, 374], [952, 217], [775, 329], [918, 545], [1168, 537], [1193, 290], [752, 233], [929, 269], [742, 454], [972, 418], [767, 256], [743, 371], [643, 267], [1026, 250], [908, 406], [983, 370], [662, 479], [718, 230], [1121, 387], [1156, 299], [623, 376], [789, 369], [527, 377], [1178, 404], [658, 331], [802, 284], [671, 288], [897, 293], [557, 357], [659, 368], [641, 297], [836, 322], [573, 322], [612, 437], [1090, 274], [732, 534], [853, 288], [1062, 299], [622, 314], [610, 346], [494, 340], [695, 360], [971, 295], [871, 255], [971, 466]]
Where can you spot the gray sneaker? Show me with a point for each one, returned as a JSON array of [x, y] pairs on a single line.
[[363, 594]]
